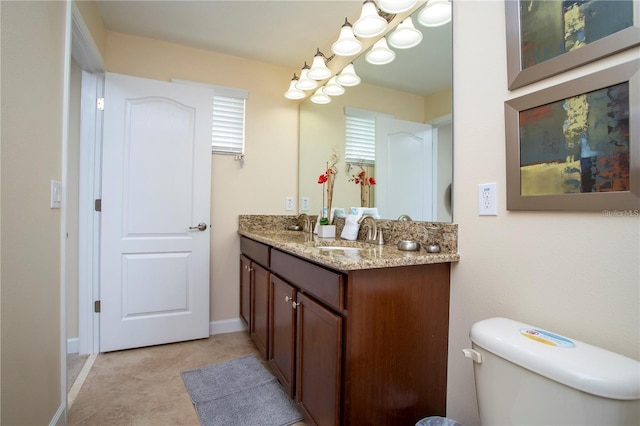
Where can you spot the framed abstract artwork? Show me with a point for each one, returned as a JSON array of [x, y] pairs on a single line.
[[547, 37], [576, 145]]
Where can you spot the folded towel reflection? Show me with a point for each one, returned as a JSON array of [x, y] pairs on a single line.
[[338, 212], [351, 227], [373, 211]]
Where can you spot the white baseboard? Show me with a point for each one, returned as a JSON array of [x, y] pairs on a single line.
[[226, 326], [215, 327], [59, 418], [73, 345]]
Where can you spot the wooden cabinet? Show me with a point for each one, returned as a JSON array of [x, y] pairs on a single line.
[[363, 347], [309, 335], [396, 339], [254, 291], [260, 308], [283, 333], [245, 291], [319, 361]]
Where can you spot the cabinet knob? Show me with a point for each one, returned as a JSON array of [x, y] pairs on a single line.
[[295, 304], [288, 299]]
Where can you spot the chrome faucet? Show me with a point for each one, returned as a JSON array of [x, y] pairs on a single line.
[[373, 235], [306, 225], [404, 218]]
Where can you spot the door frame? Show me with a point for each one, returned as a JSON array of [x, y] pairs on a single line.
[[87, 55]]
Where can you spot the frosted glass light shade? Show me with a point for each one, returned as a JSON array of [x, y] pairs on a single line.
[[370, 24], [435, 13], [319, 70], [348, 77], [319, 97], [347, 44], [396, 6], [294, 93], [405, 35], [333, 88], [305, 83], [380, 53]]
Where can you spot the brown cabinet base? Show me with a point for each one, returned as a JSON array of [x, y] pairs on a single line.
[[358, 348], [395, 352]]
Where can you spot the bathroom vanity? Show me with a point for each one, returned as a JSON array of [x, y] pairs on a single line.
[[356, 333]]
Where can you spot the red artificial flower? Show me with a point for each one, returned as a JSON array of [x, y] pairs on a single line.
[[322, 178], [362, 179]]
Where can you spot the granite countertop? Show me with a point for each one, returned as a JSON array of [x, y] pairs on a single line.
[[345, 255]]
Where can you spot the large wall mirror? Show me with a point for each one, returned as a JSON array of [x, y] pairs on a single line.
[[411, 100]]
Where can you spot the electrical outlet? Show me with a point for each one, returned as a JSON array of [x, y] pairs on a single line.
[[288, 205], [487, 199], [304, 204]]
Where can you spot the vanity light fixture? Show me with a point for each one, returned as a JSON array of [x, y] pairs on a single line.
[[348, 77], [319, 70], [294, 93], [333, 88], [380, 53], [347, 43], [396, 6], [370, 23], [405, 35], [319, 97], [435, 13], [305, 83]]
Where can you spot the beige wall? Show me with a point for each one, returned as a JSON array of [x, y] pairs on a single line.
[[270, 168], [93, 21], [438, 105], [575, 273], [32, 43]]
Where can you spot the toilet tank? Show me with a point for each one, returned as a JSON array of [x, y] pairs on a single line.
[[529, 376]]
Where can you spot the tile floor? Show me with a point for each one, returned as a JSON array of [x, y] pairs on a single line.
[[144, 387]]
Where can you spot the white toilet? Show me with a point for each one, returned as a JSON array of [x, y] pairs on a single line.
[[529, 376]]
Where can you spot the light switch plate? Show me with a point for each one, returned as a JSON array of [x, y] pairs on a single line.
[[487, 199], [56, 194]]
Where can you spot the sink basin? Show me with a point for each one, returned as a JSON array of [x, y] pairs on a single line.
[[343, 248]]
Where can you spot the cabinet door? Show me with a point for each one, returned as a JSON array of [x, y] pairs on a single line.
[[245, 291], [260, 308], [282, 336], [319, 371]]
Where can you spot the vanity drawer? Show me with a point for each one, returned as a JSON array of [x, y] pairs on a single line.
[[256, 251], [322, 283]]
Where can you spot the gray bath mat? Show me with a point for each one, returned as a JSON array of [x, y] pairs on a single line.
[[239, 392]]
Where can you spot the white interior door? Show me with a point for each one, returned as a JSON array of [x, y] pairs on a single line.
[[405, 169], [154, 268]]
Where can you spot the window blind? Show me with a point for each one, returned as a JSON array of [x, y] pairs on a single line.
[[360, 140], [227, 129]]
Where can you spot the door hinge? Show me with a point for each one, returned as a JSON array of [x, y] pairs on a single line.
[[100, 104], [97, 205], [96, 306]]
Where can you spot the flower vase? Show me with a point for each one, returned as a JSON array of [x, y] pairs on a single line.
[[364, 195]]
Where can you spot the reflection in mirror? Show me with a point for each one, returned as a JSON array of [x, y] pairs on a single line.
[[410, 100]]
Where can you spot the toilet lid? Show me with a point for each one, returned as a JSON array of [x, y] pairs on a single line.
[[564, 360]]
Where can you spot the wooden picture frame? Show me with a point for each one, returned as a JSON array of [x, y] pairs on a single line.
[[546, 150], [520, 48]]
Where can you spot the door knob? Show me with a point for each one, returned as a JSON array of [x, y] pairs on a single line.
[[201, 227]]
